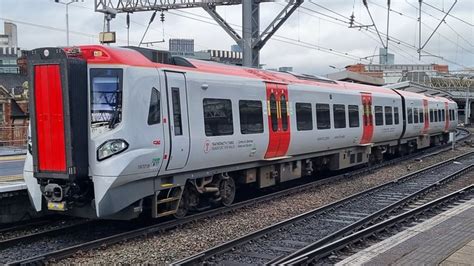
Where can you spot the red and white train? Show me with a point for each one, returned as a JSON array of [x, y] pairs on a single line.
[[120, 131]]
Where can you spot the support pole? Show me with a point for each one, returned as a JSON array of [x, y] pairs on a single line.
[[250, 32], [388, 24], [419, 30]]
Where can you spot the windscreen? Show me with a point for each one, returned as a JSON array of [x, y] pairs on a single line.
[[106, 97]]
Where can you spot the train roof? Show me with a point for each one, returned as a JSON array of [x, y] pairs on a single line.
[[143, 57]]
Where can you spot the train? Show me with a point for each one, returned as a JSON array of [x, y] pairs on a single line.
[[119, 132]]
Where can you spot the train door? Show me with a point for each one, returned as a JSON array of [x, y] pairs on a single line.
[[446, 117], [278, 120], [367, 118], [426, 111], [178, 120]]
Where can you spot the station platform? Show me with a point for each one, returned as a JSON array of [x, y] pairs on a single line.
[[11, 178], [446, 239]]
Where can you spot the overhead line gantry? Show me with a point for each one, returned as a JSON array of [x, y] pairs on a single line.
[[251, 41]]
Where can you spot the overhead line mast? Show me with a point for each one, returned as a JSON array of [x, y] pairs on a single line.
[[251, 41]]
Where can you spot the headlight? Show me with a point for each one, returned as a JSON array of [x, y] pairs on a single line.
[[110, 148]]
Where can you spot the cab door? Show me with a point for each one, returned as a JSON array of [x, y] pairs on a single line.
[[278, 120], [178, 120]]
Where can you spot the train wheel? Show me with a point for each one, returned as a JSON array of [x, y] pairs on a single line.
[[227, 191]]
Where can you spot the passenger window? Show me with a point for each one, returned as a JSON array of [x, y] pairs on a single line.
[[388, 115], [273, 113], [339, 115], [251, 117], [218, 117], [436, 115], [431, 115], [378, 115], [450, 115], [323, 118], [410, 115], [284, 113], [176, 112], [353, 116], [422, 116], [304, 116], [397, 117], [154, 110], [439, 115], [415, 115], [443, 115]]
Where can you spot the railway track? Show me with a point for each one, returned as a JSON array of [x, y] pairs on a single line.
[[282, 242], [69, 248], [391, 225]]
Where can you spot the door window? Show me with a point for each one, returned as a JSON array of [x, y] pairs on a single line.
[[284, 113], [273, 112], [178, 130]]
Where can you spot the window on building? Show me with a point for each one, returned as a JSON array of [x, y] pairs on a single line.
[[218, 117], [323, 118], [388, 115], [415, 115], [378, 115], [154, 110], [422, 116], [284, 113], [304, 116], [251, 117], [2, 118], [353, 116], [396, 115], [410, 115], [339, 115]]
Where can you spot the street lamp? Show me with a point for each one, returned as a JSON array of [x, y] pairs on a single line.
[[67, 15]]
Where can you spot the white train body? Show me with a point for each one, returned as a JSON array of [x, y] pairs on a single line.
[[166, 127]]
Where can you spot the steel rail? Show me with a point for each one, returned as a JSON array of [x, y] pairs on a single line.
[[201, 257], [161, 227], [370, 219], [30, 237], [321, 252]]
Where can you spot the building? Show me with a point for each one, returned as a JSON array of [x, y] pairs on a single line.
[[225, 57], [386, 58], [181, 47], [236, 48], [9, 50], [354, 77], [13, 109], [285, 69], [399, 72]]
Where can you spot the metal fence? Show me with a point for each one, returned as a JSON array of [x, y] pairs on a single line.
[[13, 136]]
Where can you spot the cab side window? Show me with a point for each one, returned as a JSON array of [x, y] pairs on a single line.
[[154, 116]]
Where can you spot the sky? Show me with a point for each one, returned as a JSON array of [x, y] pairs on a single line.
[[316, 39]]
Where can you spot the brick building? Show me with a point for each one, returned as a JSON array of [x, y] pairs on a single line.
[[13, 110]]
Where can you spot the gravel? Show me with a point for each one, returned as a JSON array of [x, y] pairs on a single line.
[[196, 237], [33, 229]]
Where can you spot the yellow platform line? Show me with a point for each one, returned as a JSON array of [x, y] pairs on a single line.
[[9, 178], [12, 158]]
